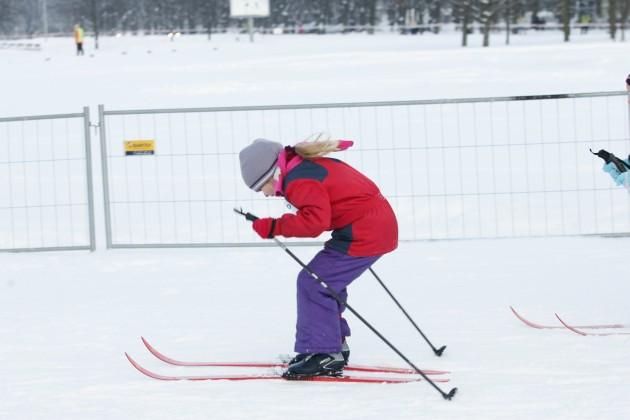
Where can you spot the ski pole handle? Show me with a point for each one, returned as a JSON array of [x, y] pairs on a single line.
[[247, 215], [602, 154]]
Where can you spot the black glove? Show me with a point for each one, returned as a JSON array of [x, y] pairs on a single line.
[[604, 155], [620, 164], [609, 157]]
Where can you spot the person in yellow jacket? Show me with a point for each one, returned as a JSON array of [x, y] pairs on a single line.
[[78, 38]]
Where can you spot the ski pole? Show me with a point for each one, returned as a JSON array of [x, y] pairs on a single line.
[[438, 352], [334, 295]]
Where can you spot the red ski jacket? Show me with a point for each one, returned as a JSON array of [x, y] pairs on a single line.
[[331, 195]]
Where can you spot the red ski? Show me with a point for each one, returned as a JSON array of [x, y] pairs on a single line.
[[272, 376], [539, 326], [577, 331], [352, 368]]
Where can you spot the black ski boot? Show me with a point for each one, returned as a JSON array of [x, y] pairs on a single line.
[[315, 364], [345, 352], [298, 358]]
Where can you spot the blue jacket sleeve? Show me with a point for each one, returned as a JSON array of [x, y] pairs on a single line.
[[619, 177]]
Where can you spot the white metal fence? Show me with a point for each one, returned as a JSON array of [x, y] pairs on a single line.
[[452, 169], [45, 183]]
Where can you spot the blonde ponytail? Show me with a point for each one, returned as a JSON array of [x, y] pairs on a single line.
[[316, 148]]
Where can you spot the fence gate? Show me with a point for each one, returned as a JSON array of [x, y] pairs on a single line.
[[46, 200]]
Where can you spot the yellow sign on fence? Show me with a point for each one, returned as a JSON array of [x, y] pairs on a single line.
[[139, 147]]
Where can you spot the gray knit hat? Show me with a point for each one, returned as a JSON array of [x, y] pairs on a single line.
[[258, 162]]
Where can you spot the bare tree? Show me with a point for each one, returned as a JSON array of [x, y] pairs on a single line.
[[347, 6], [612, 18], [30, 15], [464, 13], [7, 16], [566, 19], [598, 8], [534, 6], [371, 15], [208, 9], [508, 21], [625, 10], [488, 13], [95, 18], [324, 12], [435, 13]]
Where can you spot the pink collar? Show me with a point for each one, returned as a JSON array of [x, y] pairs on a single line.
[[285, 167], [288, 159]]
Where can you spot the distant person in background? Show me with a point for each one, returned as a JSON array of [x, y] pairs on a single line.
[[78, 38]]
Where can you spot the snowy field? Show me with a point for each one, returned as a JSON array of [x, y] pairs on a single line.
[[192, 72], [68, 318]]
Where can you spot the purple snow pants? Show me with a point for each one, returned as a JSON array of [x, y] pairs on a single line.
[[320, 327]]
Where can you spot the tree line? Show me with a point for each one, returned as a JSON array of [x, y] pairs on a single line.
[[35, 17]]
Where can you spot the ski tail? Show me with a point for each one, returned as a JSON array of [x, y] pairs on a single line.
[[578, 330], [160, 377]]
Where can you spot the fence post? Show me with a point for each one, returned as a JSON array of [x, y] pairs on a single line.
[[103, 139], [89, 182]]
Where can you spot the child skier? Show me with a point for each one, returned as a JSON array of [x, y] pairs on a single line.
[[329, 195]]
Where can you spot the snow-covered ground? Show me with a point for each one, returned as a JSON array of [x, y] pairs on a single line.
[[153, 72], [66, 319]]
